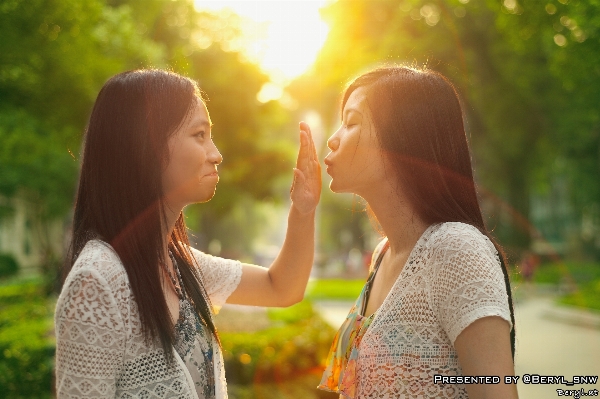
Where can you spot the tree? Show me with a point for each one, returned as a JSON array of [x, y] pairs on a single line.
[[54, 58], [513, 75]]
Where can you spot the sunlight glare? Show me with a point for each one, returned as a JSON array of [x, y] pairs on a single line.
[[283, 39]]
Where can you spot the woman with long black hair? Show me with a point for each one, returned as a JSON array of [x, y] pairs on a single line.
[[437, 304], [134, 318]]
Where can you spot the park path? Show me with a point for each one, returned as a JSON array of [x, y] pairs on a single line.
[[550, 341]]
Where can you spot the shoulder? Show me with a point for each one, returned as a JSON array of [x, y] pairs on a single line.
[[377, 251], [99, 259], [216, 271], [96, 290], [220, 276], [205, 260], [450, 237], [461, 249], [198, 255]]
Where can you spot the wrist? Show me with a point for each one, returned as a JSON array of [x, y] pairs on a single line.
[[295, 212]]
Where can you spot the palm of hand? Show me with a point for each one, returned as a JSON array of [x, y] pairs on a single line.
[[306, 188]]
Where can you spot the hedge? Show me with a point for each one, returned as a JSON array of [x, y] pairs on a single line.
[[8, 265], [26, 341]]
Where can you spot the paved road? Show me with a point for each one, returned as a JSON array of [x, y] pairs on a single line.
[[548, 343]]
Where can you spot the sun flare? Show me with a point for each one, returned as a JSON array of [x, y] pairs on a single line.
[[283, 37]]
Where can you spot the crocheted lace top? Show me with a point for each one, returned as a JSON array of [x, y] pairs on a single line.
[[100, 349], [452, 277]]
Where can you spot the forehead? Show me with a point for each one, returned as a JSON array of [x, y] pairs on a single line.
[[199, 116], [357, 100]]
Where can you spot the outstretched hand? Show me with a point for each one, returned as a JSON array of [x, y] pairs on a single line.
[[306, 188]]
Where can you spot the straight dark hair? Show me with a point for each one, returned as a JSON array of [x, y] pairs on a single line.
[[120, 195], [419, 124]]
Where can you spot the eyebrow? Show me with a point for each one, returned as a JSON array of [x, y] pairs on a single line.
[[203, 123], [349, 110]]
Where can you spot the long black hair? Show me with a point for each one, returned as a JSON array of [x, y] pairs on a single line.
[[120, 195], [419, 124]]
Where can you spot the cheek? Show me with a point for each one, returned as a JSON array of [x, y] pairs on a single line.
[[190, 159], [182, 167], [360, 155], [169, 178]]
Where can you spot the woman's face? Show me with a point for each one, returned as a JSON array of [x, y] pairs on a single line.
[[355, 162], [191, 174]]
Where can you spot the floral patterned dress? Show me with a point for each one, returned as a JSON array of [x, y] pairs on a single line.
[[340, 373]]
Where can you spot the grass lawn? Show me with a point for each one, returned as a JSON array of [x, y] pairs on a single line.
[[586, 296], [556, 273], [334, 289], [586, 277]]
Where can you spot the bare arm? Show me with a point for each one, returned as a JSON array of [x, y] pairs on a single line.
[[283, 284], [484, 349]]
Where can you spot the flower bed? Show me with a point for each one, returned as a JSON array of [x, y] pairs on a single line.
[[284, 359]]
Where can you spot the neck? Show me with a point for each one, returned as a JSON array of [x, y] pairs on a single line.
[[397, 217]]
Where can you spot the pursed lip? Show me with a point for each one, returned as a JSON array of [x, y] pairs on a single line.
[[329, 164], [213, 174]]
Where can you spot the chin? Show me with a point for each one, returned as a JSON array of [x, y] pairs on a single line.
[[203, 196], [208, 197], [335, 188], [338, 188]]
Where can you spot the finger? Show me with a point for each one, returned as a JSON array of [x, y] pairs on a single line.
[[304, 133], [301, 161], [312, 150], [312, 147], [315, 156], [304, 126]]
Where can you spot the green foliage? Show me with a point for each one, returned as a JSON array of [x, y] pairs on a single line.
[[8, 265], [26, 343], [294, 314], [34, 165], [334, 289], [56, 55], [296, 344], [564, 272], [528, 78], [582, 279], [586, 296]]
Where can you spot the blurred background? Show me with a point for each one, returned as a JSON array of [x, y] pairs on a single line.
[[528, 73]]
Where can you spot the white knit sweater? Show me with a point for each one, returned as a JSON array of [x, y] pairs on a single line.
[[100, 350]]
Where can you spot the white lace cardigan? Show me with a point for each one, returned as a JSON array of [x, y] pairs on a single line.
[[100, 351], [452, 277]]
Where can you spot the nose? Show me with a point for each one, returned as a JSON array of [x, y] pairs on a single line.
[[214, 156], [333, 142]]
